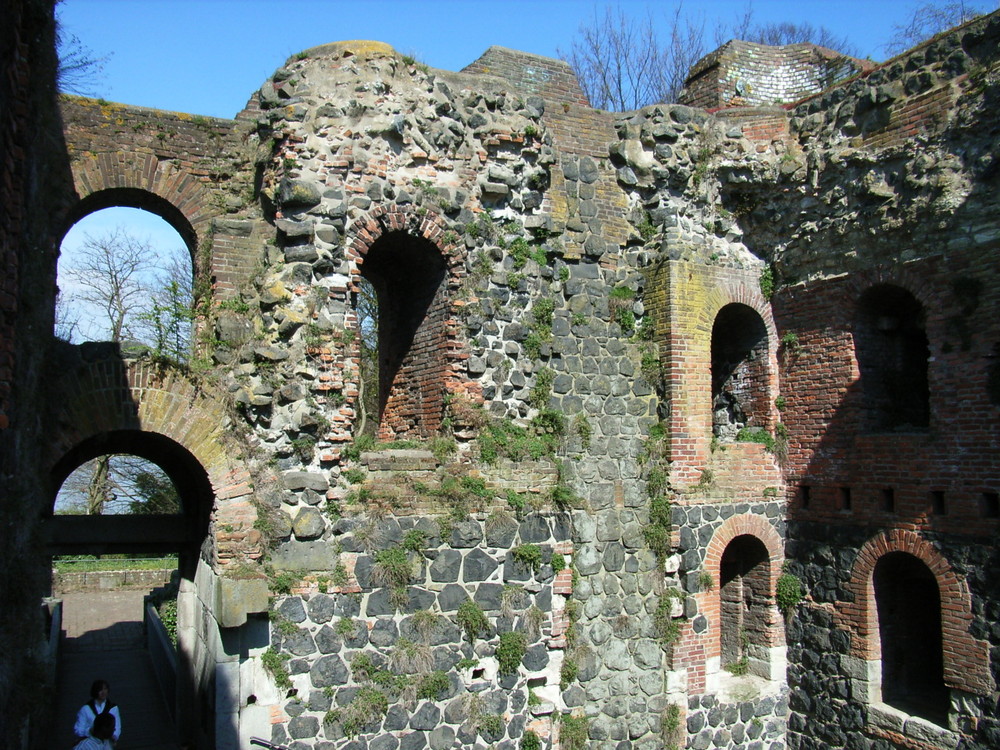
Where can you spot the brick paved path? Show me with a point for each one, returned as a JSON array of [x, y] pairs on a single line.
[[102, 638]]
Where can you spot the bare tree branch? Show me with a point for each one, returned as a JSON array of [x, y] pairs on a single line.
[[118, 484], [930, 19], [622, 64], [112, 273], [79, 70]]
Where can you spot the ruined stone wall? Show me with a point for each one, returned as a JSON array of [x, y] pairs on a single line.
[[601, 282], [896, 186], [33, 175]]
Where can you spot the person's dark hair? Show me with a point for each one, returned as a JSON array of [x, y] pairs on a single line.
[[104, 726], [97, 686]]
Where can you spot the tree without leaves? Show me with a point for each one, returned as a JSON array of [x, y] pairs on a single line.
[[112, 272], [930, 19], [78, 71], [118, 484], [624, 64], [119, 275], [165, 326]]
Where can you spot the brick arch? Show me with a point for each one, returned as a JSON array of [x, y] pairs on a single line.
[[385, 218], [966, 659], [745, 524], [906, 277], [741, 291], [434, 363], [141, 180], [112, 396], [745, 291]]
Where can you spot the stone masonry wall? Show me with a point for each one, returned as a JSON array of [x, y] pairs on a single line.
[[33, 179], [567, 417]]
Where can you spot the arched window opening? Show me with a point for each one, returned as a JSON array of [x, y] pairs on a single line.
[[744, 579], [125, 275], [401, 308], [739, 372], [909, 620], [118, 484], [891, 347]]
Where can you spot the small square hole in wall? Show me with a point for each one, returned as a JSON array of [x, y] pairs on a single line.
[[889, 500], [479, 673], [536, 682], [937, 503], [989, 505], [805, 492], [845, 498]]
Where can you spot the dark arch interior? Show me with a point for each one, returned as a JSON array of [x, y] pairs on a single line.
[[891, 347], [909, 619], [407, 274], [182, 533], [739, 371], [744, 576]]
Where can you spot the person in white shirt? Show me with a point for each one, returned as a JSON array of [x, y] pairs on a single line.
[[96, 706], [100, 734]]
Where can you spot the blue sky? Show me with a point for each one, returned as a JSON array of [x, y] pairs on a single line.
[[208, 56]]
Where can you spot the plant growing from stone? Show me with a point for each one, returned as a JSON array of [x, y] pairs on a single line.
[[510, 651], [528, 555], [558, 562], [276, 665], [414, 540], [664, 624], [281, 623], [581, 426], [490, 726], [563, 498], [353, 476], [670, 726], [574, 732], [369, 706], [339, 575], [472, 619], [408, 657], [533, 619], [620, 306], [433, 686], [426, 623], [530, 741], [393, 570], [540, 393], [568, 672], [788, 592], [657, 531]]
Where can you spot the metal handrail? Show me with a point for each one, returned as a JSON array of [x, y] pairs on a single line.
[[265, 743]]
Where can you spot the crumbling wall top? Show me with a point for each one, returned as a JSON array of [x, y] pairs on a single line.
[[533, 74]]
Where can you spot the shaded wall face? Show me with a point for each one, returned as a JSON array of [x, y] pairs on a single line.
[[413, 309], [743, 591], [891, 349], [909, 618], [739, 372], [34, 186]]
